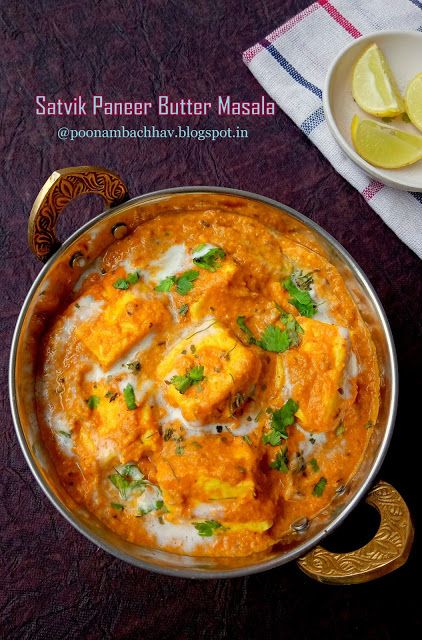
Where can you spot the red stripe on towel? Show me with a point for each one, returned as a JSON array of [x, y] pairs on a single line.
[[336, 15], [292, 22], [372, 189]]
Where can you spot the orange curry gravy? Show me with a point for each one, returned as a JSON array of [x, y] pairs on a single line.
[[210, 382]]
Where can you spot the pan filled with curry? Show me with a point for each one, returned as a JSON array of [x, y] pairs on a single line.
[[204, 383]]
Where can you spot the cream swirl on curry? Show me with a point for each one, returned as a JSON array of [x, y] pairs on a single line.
[[209, 382]]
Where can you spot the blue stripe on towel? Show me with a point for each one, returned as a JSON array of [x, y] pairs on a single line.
[[312, 121], [417, 3], [417, 195], [290, 69]]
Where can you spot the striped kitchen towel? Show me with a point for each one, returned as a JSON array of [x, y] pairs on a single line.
[[291, 64]]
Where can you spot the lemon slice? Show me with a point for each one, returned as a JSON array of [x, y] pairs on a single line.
[[414, 101], [374, 87], [385, 146]]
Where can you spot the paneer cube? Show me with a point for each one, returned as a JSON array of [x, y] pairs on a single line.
[[228, 368], [210, 288], [315, 371], [219, 473], [116, 432], [125, 319]]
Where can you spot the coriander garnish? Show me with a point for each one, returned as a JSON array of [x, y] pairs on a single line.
[[280, 420], [129, 396], [291, 326], [241, 321], [124, 283], [300, 298], [117, 506], [183, 309], [273, 338], [111, 396], [211, 260], [93, 402], [184, 282], [127, 478], [281, 461], [314, 464], [191, 377], [208, 527], [166, 284], [318, 489]]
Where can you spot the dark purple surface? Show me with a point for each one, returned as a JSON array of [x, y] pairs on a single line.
[[54, 583]]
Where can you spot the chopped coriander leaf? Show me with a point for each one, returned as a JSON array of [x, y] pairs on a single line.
[[274, 339], [241, 322], [284, 417], [143, 512], [247, 439], [179, 451], [281, 461], [121, 283], [134, 366], [124, 283], [280, 420], [272, 437], [166, 284], [314, 464], [340, 429], [65, 434], [208, 527], [184, 283], [183, 309], [132, 278], [183, 383], [129, 396], [111, 396], [158, 506], [93, 402], [291, 326], [210, 260], [300, 299], [127, 478], [318, 489], [117, 506]]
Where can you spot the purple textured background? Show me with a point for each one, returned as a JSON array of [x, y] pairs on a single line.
[[56, 584]]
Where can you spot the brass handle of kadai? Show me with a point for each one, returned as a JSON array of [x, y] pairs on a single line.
[[63, 186], [387, 551]]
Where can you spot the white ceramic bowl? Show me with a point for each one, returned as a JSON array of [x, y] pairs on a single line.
[[403, 50]]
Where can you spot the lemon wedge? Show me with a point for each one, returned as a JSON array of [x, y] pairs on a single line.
[[385, 146], [414, 101], [374, 87]]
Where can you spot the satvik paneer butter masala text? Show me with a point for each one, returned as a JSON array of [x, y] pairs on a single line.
[[209, 383]]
